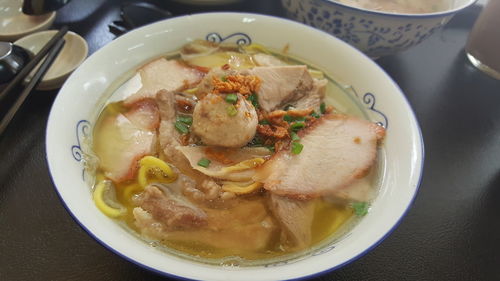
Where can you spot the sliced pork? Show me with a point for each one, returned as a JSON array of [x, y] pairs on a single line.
[[220, 123], [314, 98], [337, 150], [163, 74], [245, 226], [267, 60], [281, 85], [296, 217], [134, 136]]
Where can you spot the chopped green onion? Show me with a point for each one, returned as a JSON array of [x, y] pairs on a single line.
[[322, 108], [294, 136], [297, 147], [360, 208], [264, 122], [288, 118], [181, 127], [297, 126], [254, 99], [204, 162], [315, 115], [271, 148], [188, 120], [223, 78], [301, 118], [231, 110], [231, 98]]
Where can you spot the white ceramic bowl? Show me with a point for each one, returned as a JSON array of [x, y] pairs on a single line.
[[83, 95], [14, 24], [74, 52], [376, 33]]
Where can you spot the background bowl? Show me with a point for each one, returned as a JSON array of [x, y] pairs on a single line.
[[375, 33], [74, 52], [83, 96], [14, 24]]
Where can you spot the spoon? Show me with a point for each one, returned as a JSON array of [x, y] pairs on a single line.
[[12, 59]]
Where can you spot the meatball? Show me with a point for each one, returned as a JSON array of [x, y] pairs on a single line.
[[217, 123]]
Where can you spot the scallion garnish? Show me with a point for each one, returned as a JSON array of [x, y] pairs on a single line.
[[288, 118], [315, 115], [297, 126], [223, 78], [204, 162], [264, 122], [231, 110], [297, 147], [271, 148], [254, 99], [181, 127], [294, 136], [188, 120], [231, 98], [322, 108], [360, 208]]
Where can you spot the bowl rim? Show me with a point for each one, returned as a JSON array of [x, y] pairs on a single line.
[[420, 152], [401, 15]]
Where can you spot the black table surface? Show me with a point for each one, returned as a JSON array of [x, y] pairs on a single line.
[[452, 231]]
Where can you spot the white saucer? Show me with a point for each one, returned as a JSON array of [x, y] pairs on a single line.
[[14, 24], [74, 52]]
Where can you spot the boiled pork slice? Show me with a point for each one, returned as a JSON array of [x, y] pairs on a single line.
[[123, 139], [169, 75], [172, 210], [296, 217], [267, 60], [337, 150], [281, 85], [314, 98]]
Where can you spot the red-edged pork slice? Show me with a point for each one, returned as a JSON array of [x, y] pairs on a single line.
[[282, 84], [120, 144], [337, 150], [164, 74], [296, 216], [144, 114], [172, 210]]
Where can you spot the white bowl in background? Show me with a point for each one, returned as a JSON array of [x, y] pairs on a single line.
[[74, 52], [376, 33], [84, 94], [14, 24]]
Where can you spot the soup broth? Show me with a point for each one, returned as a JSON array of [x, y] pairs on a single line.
[[212, 215]]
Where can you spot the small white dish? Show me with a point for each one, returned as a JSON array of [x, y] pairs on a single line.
[[74, 52], [14, 24], [77, 106]]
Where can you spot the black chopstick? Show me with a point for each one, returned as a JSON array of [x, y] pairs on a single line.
[[32, 84], [36, 59]]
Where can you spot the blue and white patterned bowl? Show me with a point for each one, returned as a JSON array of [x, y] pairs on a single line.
[[375, 33], [374, 94]]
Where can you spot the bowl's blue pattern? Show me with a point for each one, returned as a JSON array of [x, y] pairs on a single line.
[[373, 34]]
